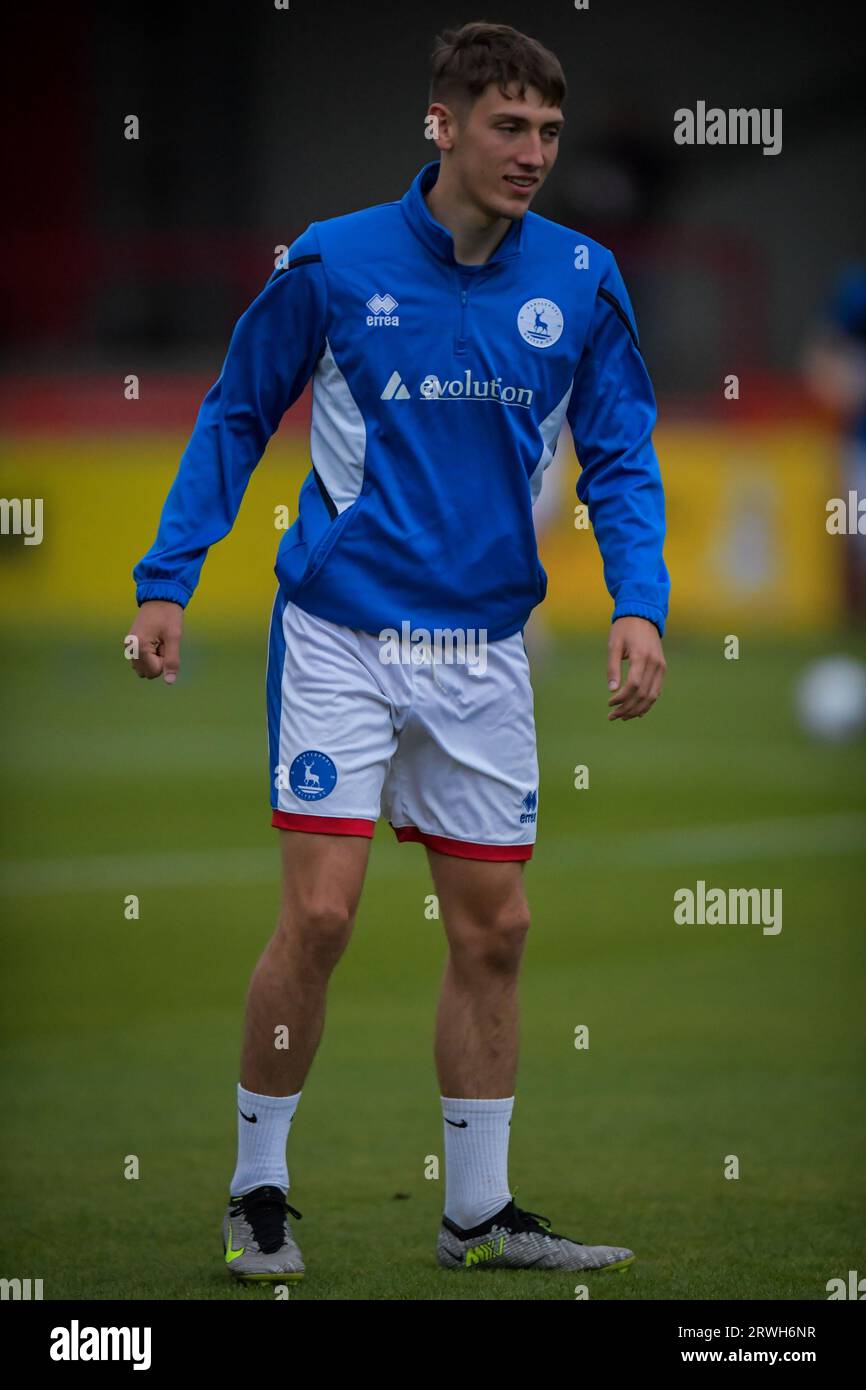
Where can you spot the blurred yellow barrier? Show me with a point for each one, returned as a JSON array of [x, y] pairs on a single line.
[[746, 511], [747, 544]]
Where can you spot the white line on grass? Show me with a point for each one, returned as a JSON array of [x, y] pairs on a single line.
[[839, 833]]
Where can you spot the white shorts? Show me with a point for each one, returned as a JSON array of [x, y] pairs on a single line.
[[445, 750]]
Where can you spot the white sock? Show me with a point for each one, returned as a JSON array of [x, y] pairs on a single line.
[[262, 1141], [476, 1159]]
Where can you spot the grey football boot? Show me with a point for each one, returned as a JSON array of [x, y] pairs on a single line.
[[517, 1239], [257, 1241]]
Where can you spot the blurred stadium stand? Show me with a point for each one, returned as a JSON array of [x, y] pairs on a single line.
[[128, 257]]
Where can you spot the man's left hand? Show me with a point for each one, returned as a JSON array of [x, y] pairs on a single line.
[[637, 641]]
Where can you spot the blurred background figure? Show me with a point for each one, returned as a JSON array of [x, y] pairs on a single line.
[[835, 370]]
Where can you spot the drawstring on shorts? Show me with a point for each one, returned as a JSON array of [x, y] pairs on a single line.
[[426, 649]]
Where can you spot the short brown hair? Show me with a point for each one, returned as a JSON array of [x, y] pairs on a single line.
[[465, 61]]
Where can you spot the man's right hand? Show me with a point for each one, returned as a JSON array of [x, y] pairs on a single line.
[[157, 630]]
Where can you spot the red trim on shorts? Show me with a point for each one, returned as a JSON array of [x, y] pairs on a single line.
[[461, 849], [323, 825]]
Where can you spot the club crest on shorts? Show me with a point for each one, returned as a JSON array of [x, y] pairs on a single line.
[[530, 808], [312, 775]]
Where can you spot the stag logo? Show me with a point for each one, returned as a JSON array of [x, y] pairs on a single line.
[[312, 775], [540, 322]]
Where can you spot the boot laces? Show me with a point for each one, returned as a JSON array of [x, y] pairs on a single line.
[[265, 1209], [521, 1220]]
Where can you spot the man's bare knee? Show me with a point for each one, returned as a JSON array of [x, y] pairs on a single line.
[[492, 941], [318, 922], [322, 879]]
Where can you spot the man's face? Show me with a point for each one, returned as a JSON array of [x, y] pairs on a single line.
[[503, 148]]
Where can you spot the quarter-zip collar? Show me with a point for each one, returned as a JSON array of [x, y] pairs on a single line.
[[437, 238]]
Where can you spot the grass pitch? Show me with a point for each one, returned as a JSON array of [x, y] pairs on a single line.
[[121, 1037]]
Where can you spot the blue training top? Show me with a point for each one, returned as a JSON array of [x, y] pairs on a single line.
[[438, 396]]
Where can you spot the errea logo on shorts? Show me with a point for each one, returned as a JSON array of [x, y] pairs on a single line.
[[530, 808], [381, 313], [540, 322]]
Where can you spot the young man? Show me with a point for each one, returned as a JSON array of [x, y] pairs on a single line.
[[448, 336]]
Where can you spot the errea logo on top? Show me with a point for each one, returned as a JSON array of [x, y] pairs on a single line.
[[381, 313]]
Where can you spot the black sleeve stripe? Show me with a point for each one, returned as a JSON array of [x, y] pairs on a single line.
[[620, 313], [299, 260], [326, 496]]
